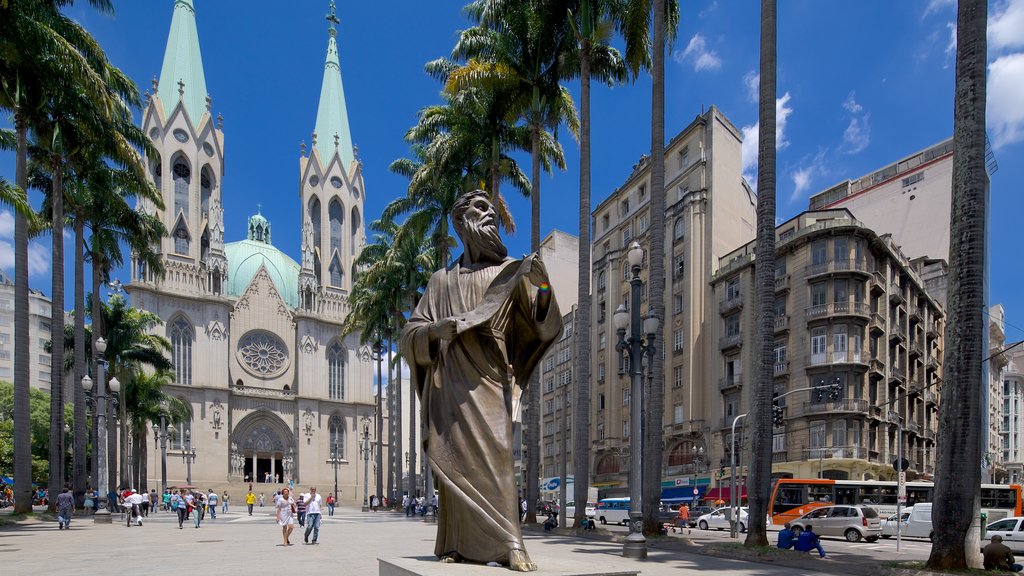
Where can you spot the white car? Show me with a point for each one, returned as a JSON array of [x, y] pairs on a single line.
[[590, 511], [889, 525], [1012, 531], [719, 520]]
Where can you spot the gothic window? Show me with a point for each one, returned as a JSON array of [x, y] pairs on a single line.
[[263, 354], [336, 372], [182, 181], [337, 431], [337, 273], [336, 182], [608, 465], [684, 453], [176, 435], [181, 239], [677, 229], [181, 337], [204, 245], [336, 214], [314, 218], [205, 188], [158, 172], [356, 223]]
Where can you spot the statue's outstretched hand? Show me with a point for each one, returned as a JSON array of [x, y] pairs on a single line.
[[445, 329], [538, 273]]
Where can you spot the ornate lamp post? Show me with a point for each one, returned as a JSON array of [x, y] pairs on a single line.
[[636, 346], [163, 445], [102, 515], [335, 461], [366, 462], [378, 355], [188, 455]]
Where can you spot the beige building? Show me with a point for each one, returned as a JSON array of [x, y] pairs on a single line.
[[275, 388], [1012, 425], [709, 211], [38, 334], [999, 406], [850, 310]]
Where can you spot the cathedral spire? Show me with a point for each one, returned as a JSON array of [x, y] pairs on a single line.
[[332, 115], [181, 77]]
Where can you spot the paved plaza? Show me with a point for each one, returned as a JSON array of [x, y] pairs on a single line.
[[351, 542]]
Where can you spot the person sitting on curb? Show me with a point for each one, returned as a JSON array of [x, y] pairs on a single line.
[[807, 541], [588, 524], [999, 557], [551, 523], [786, 537]]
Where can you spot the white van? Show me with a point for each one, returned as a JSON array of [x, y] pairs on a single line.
[[917, 522]]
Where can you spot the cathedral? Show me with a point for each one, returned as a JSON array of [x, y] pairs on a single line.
[[276, 391]]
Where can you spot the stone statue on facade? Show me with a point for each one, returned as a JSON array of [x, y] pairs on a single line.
[[307, 244], [477, 334]]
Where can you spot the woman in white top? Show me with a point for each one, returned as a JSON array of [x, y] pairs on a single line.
[[285, 514]]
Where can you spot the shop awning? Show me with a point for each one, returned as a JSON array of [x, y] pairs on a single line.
[[681, 494], [724, 493]]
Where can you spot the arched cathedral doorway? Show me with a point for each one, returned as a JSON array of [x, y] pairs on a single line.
[[263, 442]]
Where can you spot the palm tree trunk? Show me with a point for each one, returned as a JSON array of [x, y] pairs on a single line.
[[653, 432], [142, 461], [56, 480], [123, 444], [532, 432], [495, 170], [412, 435], [581, 323], [97, 331], [79, 471], [22, 423], [395, 376], [760, 475], [378, 457], [958, 475]]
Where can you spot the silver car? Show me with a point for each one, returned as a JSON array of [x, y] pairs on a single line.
[[855, 523], [1011, 530]]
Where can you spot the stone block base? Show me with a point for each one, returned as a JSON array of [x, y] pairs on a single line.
[[430, 566]]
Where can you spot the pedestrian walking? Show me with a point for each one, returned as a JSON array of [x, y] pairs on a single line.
[[224, 502], [374, 502], [180, 504], [211, 502], [65, 509], [301, 505], [261, 499], [196, 504], [312, 506], [250, 501], [153, 502], [285, 515], [167, 501], [330, 505]]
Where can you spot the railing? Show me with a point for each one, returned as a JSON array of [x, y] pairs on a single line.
[[781, 323], [913, 427], [895, 292], [858, 452], [686, 427], [896, 373], [877, 320], [876, 365], [726, 382], [817, 227], [933, 363], [916, 347], [781, 368], [848, 265], [879, 279], [730, 303], [933, 330], [847, 357], [781, 282], [734, 264], [730, 341], [931, 397], [844, 405], [838, 309], [262, 392]]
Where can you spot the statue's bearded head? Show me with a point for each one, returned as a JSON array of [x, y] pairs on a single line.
[[476, 223]]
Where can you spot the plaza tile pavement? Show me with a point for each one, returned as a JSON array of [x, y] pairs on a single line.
[[350, 543]]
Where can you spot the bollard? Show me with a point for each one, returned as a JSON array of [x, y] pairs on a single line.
[[984, 525]]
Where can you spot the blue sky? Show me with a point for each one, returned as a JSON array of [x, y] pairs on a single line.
[[861, 84]]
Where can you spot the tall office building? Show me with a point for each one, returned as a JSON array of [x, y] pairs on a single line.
[[39, 311]]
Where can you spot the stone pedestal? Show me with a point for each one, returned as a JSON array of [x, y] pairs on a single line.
[[548, 566]]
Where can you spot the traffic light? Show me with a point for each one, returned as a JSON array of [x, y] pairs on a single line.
[[777, 418]]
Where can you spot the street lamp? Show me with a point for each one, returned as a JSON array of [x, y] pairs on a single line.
[[163, 445], [102, 515], [378, 355], [366, 462], [335, 461], [636, 346], [188, 455]]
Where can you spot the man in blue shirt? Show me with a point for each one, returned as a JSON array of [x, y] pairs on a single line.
[[786, 539], [807, 541]]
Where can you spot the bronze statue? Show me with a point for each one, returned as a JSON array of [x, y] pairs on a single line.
[[477, 334]]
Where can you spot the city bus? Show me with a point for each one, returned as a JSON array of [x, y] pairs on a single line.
[[794, 497], [613, 511]]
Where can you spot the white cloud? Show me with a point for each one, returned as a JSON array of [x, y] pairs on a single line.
[[804, 176], [1005, 115], [802, 180], [1006, 25], [697, 53], [711, 8], [6, 224], [936, 6], [752, 81], [857, 135], [951, 44], [751, 132], [38, 258]]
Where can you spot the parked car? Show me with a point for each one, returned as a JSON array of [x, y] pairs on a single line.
[[855, 523], [698, 511], [889, 525], [719, 519], [1012, 531], [590, 511]]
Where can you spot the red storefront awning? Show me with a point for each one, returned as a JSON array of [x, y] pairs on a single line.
[[724, 493]]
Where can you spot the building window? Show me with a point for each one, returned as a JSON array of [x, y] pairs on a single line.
[[600, 436], [819, 253], [677, 304], [336, 220], [644, 222], [336, 371], [840, 291], [732, 289], [677, 340], [625, 396], [176, 435], [841, 249], [817, 436], [779, 442], [678, 229], [839, 433], [602, 342], [181, 240], [678, 266], [565, 378], [549, 363], [818, 294], [181, 337], [336, 428], [642, 191], [602, 281], [839, 343], [564, 354], [336, 272], [624, 207], [677, 413], [780, 352], [625, 428], [732, 325], [780, 307], [549, 385], [182, 182], [818, 337], [912, 179], [600, 372], [604, 224], [684, 158], [627, 235], [677, 377]]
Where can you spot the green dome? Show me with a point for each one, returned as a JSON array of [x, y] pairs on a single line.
[[246, 257]]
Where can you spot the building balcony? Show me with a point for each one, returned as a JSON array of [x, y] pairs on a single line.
[[916, 348], [837, 358], [781, 282], [915, 315], [685, 428], [928, 434], [931, 397], [837, 266], [730, 383], [877, 323], [730, 303], [726, 424], [876, 368], [896, 293], [843, 405], [858, 309], [781, 323], [933, 330], [915, 384], [848, 452], [912, 426], [897, 331], [896, 374], [878, 283], [781, 369], [932, 363], [734, 341]]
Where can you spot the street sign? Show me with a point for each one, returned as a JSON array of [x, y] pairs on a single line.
[[696, 492], [901, 488], [901, 464]]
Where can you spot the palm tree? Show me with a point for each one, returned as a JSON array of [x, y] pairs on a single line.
[[760, 424], [62, 53], [596, 59], [146, 402], [958, 475]]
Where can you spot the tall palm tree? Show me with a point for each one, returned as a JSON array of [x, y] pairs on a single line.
[[760, 423], [62, 52], [146, 403], [597, 59], [958, 475]]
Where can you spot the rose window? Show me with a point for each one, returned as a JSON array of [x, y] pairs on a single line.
[[263, 354]]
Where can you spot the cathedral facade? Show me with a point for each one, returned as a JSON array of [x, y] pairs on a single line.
[[275, 389]]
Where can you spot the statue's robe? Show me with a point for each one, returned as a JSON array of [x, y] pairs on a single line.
[[470, 388]]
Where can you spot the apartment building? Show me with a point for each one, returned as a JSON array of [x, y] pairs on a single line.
[[710, 210], [1012, 425], [995, 466], [38, 334], [849, 310]]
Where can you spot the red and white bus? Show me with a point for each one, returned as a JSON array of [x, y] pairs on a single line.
[[794, 497]]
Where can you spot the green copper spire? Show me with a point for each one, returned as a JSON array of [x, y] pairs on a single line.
[[182, 74], [332, 117]]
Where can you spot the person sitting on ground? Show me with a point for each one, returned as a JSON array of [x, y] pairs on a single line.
[[807, 541], [552, 522], [587, 524], [786, 537], [999, 557]]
